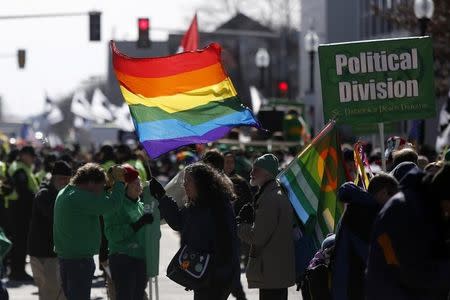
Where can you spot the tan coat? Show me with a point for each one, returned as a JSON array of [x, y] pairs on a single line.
[[272, 263]]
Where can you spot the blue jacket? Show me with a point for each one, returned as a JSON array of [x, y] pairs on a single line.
[[402, 264], [352, 242], [201, 230]]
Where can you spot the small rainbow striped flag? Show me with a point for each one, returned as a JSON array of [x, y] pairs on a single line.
[[181, 99]]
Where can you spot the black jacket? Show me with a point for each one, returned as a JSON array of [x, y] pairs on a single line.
[[205, 230], [352, 242], [40, 237], [402, 262], [24, 195]]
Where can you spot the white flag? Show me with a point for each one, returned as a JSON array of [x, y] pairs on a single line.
[[123, 118], [80, 106], [443, 140], [443, 137], [79, 122], [257, 99], [52, 112], [101, 107]]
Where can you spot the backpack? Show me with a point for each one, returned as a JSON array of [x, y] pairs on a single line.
[[316, 282]]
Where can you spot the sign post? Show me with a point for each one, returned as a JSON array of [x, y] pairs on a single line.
[[378, 81], [383, 157]]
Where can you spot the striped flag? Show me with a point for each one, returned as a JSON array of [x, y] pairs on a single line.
[[362, 178], [182, 99], [312, 180]]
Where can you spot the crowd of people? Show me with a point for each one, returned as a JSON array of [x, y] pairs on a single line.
[[61, 207]]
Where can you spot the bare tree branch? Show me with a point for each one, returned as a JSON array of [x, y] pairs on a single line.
[[439, 29]]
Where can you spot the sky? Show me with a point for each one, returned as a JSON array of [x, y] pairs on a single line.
[[59, 54]]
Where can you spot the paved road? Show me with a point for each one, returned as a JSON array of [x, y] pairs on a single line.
[[168, 290]]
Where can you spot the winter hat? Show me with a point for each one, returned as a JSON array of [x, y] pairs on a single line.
[[28, 150], [61, 168], [268, 162], [130, 173], [402, 169]]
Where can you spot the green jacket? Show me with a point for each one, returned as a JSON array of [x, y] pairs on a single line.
[[33, 184], [2, 170], [41, 176], [152, 232], [76, 227], [121, 237]]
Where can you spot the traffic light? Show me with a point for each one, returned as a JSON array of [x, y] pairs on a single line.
[[143, 28], [21, 56], [283, 89], [94, 26]]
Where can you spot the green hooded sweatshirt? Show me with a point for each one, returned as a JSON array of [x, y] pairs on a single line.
[[120, 235], [76, 227]]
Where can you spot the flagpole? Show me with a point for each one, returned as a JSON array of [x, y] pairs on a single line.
[[150, 281], [383, 157]]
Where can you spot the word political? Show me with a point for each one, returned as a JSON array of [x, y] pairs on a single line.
[[372, 62]]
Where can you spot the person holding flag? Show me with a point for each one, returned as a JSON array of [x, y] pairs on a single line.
[[126, 238], [269, 234], [207, 225]]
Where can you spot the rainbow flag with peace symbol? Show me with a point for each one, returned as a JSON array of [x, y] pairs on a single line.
[[181, 99], [312, 180]]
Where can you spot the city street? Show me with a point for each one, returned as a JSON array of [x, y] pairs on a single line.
[[317, 131], [168, 290]]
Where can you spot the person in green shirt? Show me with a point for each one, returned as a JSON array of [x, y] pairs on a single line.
[[126, 239], [76, 227]]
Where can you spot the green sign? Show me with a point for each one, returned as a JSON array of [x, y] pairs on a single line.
[[372, 128], [377, 81]]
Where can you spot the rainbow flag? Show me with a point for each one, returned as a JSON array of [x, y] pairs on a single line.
[[181, 99]]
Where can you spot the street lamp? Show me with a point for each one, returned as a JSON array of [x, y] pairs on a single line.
[[262, 61], [423, 9], [311, 46]]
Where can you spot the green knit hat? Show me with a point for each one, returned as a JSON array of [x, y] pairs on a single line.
[[268, 162]]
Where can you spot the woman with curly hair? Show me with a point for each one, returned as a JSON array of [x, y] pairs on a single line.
[[207, 224]]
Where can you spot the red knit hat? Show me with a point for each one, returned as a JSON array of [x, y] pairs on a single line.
[[130, 173]]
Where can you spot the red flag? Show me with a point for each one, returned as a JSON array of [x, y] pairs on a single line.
[[190, 38]]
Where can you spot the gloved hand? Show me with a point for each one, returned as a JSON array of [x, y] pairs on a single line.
[[246, 214], [117, 173], [144, 220], [156, 189]]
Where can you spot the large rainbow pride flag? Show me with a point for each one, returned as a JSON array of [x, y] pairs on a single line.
[[181, 99]]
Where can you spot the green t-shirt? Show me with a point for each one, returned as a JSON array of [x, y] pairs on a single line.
[[76, 227]]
